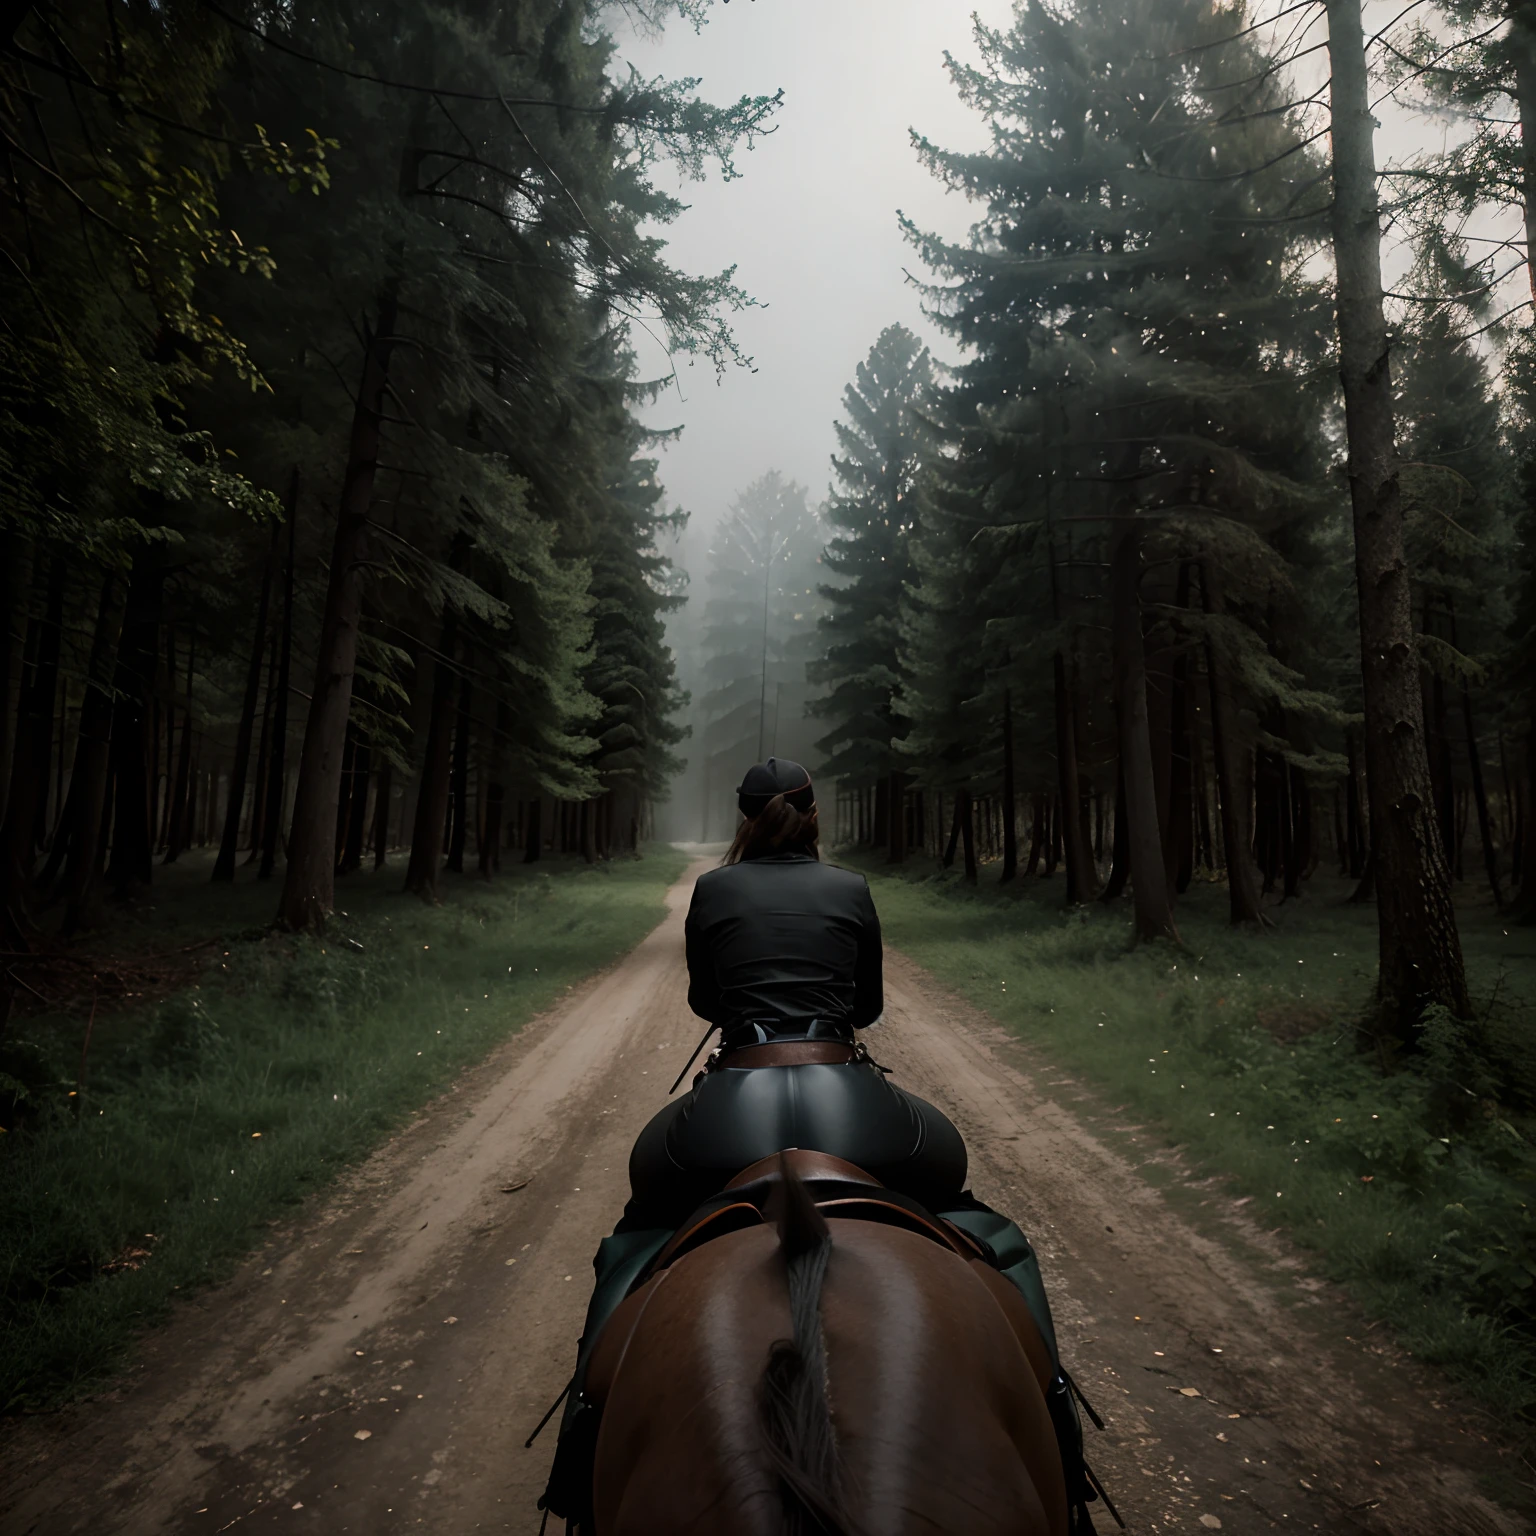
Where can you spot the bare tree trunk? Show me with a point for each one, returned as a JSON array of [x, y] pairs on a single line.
[[589, 830], [1420, 948], [88, 782], [33, 748], [1149, 886], [954, 833], [15, 579], [1242, 879], [277, 752], [357, 809], [896, 819], [533, 845], [432, 797], [309, 889], [1082, 878], [459, 785], [1010, 810], [1179, 831], [1119, 843], [381, 804], [964, 809], [229, 844], [490, 843], [1036, 832], [179, 828], [138, 660]]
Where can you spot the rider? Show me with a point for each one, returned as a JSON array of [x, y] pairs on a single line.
[[784, 951]]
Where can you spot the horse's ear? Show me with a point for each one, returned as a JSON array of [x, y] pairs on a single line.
[[791, 1209]]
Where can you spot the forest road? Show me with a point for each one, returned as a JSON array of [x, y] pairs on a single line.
[[378, 1365]]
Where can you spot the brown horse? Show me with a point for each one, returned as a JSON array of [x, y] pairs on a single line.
[[824, 1376]]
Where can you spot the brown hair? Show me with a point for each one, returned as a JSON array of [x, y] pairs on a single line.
[[777, 828]]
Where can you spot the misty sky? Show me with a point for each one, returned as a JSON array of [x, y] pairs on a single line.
[[811, 223]]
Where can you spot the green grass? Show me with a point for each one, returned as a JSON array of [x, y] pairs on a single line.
[[320, 1048], [1409, 1188]]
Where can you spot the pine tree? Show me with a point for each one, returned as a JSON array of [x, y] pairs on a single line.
[[872, 513], [1145, 354], [759, 625]]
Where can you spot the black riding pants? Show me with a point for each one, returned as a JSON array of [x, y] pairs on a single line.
[[693, 1148]]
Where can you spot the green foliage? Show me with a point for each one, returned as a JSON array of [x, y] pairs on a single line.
[[873, 516], [319, 1047], [1411, 1188]]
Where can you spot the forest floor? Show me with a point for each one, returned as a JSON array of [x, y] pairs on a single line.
[[1411, 1186], [376, 1366], [231, 1071]]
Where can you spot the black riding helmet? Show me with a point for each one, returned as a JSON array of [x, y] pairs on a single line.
[[778, 776]]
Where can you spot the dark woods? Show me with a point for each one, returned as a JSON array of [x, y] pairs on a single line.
[[326, 525], [1098, 611]]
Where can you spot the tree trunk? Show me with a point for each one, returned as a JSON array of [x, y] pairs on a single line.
[[277, 753], [88, 781], [882, 828], [1119, 843], [1179, 831], [459, 788], [896, 818], [533, 846], [1420, 948], [1245, 903], [1010, 823], [1149, 887], [432, 796], [1475, 771], [179, 830], [357, 809], [490, 842], [309, 889], [589, 830], [1354, 818], [954, 832], [1036, 833], [15, 580], [964, 809], [381, 807], [1082, 878], [32, 752], [229, 844], [138, 660]]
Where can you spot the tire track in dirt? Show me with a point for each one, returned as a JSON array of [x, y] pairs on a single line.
[[378, 1365]]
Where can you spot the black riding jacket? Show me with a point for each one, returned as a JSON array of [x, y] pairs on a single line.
[[784, 946]]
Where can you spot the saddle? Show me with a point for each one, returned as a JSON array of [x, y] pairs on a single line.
[[839, 1188]]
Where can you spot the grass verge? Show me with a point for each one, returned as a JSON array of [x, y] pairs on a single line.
[[1409, 1188], [214, 1110]]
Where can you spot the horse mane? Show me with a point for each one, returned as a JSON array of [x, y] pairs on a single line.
[[793, 1411]]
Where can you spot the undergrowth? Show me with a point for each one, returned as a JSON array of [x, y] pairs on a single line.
[[211, 1112], [1414, 1187]]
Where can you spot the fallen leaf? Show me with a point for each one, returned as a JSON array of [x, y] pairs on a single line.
[[363, 1434], [512, 1189], [1210, 1522], [1188, 1391], [1222, 1436], [299, 1505], [450, 1319]]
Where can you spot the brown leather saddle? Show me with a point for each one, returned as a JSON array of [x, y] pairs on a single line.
[[839, 1188]]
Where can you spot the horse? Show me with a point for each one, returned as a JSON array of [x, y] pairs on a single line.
[[821, 1375]]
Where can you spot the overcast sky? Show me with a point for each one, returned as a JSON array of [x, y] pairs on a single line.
[[811, 223]]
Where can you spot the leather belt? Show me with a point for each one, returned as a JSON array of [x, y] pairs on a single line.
[[789, 1053]]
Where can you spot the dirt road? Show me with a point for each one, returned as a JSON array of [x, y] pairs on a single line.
[[378, 1365]]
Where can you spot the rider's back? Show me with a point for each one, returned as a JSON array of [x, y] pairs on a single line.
[[783, 942]]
